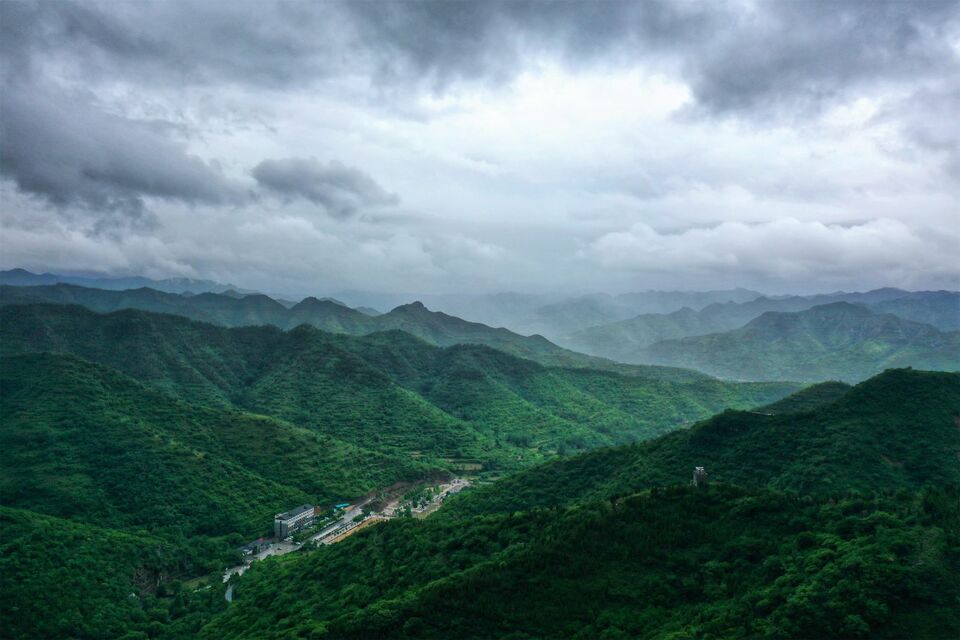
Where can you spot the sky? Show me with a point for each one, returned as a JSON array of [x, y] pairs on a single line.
[[470, 147]]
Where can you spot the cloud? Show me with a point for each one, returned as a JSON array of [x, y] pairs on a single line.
[[737, 56], [60, 147], [782, 251], [341, 190], [791, 57], [536, 143]]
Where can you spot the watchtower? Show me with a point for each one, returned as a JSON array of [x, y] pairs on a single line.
[[699, 477]]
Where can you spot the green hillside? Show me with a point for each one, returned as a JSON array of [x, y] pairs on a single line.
[[626, 340], [674, 563], [940, 309], [839, 341], [62, 579], [895, 431], [388, 392], [812, 397], [83, 442], [252, 310]]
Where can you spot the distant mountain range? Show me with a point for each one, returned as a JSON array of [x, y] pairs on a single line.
[[623, 340], [24, 278], [389, 392], [552, 315], [330, 315], [834, 341]]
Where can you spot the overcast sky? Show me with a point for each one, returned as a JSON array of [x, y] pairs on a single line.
[[308, 147]]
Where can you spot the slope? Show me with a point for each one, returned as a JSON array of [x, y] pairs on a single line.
[[897, 430], [678, 563], [63, 579], [622, 340], [230, 311], [808, 398], [838, 341], [388, 391], [83, 442]]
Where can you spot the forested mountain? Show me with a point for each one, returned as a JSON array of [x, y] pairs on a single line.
[[838, 341], [84, 442], [604, 561], [808, 398], [672, 563], [232, 311], [624, 340], [555, 314], [173, 441], [64, 579], [940, 309], [209, 430], [896, 430], [388, 391], [570, 549]]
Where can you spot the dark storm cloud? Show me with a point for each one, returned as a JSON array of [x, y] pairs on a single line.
[[340, 190], [82, 84], [62, 148], [735, 56], [799, 55]]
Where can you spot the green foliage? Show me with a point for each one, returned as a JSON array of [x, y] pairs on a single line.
[[625, 340], [680, 562], [61, 579], [230, 311], [80, 441], [387, 392], [897, 430], [816, 395], [839, 341]]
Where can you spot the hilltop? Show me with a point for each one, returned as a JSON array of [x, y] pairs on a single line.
[[84, 442], [252, 310], [679, 563], [897, 430], [625, 340], [839, 341], [390, 392]]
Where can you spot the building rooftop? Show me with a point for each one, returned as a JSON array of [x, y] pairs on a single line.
[[294, 512]]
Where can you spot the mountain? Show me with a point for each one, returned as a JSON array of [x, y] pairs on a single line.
[[722, 562], [897, 430], [84, 442], [835, 341], [808, 398], [624, 339], [940, 309], [552, 315], [389, 392], [64, 579], [619, 340], [329, 315], [24, 278]]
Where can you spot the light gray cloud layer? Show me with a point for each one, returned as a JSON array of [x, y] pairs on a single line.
[[453, 145], [341, 190]]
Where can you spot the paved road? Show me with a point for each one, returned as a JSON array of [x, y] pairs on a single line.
[[342, 525]]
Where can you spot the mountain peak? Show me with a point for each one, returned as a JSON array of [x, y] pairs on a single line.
[[415, 306]]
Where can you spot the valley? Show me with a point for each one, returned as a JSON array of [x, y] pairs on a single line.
[[479, 320]]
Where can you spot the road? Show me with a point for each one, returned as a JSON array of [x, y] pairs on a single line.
[[334, 532]]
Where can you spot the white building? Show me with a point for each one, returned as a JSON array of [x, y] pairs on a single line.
[[292, 521]]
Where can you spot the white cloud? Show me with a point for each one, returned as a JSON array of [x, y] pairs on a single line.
[[785, 251]]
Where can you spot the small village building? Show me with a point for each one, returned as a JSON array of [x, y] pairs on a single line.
[[255, 547], [289, 522]]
